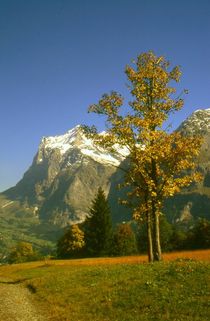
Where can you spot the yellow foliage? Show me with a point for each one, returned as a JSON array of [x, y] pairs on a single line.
[[161, 163]]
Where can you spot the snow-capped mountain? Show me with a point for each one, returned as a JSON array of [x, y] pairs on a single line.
[[65, 175], [75, 138], [195, 200], [68, 169], [197, 122]]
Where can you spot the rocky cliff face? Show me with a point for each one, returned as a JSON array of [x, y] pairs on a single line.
[[197, 123], [64, 177], [194, 201], [68, 169]]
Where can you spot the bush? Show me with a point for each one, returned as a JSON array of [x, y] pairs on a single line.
[[199, 235], [124, 240], [71, 243], [23, 252], [179, 239]]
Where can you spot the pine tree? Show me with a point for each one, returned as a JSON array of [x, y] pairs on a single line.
[[160, 163], [98, 226]]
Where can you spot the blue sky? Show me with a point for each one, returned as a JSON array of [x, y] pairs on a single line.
[[59, 56]]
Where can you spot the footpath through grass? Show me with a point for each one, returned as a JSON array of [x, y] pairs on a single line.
[[177, 290]]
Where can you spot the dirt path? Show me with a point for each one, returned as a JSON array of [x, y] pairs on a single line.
[[16, 304]]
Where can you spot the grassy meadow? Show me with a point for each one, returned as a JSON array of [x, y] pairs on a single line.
[[119, 289]]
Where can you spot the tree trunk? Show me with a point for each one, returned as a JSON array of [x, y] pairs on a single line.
[[157, 247], [149, 238], [155, 218]]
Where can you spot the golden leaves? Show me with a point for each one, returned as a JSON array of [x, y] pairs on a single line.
[[160, 164]]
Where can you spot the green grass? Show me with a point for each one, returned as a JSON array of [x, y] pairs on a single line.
[[177, 291]]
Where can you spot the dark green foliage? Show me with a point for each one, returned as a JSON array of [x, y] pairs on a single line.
[[124, 240], [199, 235], [206, 181], [179, 239], [98, 227], [166, 234]]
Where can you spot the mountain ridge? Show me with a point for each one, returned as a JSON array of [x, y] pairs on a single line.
[[197, 123], [67, 170], [59, 172]]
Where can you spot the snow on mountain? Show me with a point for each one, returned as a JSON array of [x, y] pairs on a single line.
[[74, 138], [68, 169], [197, 122]]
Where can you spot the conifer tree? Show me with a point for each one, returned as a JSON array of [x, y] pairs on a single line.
[[98, 226], [160, 162]]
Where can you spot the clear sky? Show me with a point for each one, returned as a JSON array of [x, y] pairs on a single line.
[[59, 56]]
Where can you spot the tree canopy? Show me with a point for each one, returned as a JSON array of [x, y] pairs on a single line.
[[124, 240], [23, 252], [71, 243], [160, 162]]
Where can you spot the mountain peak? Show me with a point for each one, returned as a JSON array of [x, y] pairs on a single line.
[[207, 110], [61, 142], [75, 138], [197, 123]]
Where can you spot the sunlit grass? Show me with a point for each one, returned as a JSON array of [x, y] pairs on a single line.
[[120, 289]]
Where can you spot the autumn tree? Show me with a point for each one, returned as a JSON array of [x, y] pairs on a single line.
[[98, 226], [71, 243], [160, 163], [22, 252], [124, 240]]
